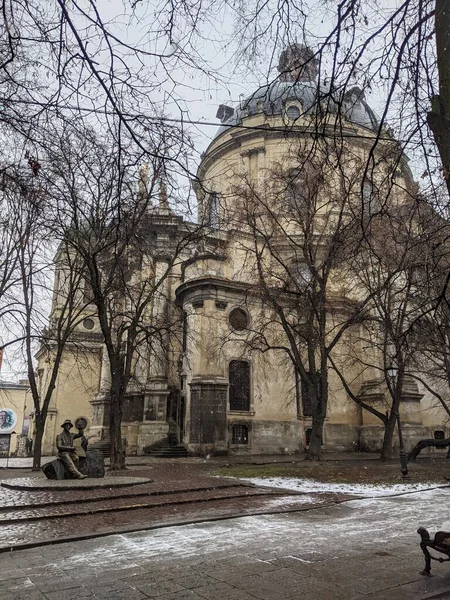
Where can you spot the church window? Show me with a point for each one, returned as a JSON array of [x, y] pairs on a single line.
[[184, 330], [302, 186], [302, 276], [293, 111], [88, 324], [239, 434], [238, 319], [296, 192], [239, 385], [370, 198], [212, 216]]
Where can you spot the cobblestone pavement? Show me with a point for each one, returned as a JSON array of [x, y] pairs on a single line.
[[179, 493], [360, 550]]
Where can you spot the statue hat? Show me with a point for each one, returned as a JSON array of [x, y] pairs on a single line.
[[67, 422]]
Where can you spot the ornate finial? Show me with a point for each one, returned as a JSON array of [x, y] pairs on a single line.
[[143, 181], [163, 205], [297, 63]]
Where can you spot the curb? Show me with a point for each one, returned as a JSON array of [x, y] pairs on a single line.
[[181, 523], [89, 486], [136, 495]]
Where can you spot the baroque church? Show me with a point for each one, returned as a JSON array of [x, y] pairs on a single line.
[[214, 392]]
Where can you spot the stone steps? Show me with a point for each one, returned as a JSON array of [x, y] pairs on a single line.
[[169, 452], [123, 503]]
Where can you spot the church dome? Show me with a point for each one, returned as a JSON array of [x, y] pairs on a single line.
[[296, 93]]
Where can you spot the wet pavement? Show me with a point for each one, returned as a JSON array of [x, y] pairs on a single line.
[[362, 549], [285, 545], [180, 492]]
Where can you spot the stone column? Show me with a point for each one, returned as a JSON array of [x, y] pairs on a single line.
[[154, 427], [98, 431]]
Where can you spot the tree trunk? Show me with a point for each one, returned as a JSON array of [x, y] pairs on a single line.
[[320, 395], [427, 444], [117, 458], [439, 116], [388, 440], [315, 443], [37, 446]]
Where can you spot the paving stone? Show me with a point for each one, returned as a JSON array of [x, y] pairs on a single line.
[[194, 580], [145, 579], [129, 594], [223, 591], [46, 584], [70, 594], [229, 573], [30, 594], [153, 590], [18, 584], [185, 595]]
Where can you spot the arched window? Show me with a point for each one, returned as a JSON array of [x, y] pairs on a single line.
[[296, 190], [212, 215], [239, 385], [371, 198], [302, 187], [239, 434]]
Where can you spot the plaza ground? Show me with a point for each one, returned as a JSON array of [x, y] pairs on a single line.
[[322, 545]]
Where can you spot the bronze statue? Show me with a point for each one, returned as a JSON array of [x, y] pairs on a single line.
[[66, 450]]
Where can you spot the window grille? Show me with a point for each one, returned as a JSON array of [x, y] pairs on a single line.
[[239, 434], [213, 210], [239, 385]]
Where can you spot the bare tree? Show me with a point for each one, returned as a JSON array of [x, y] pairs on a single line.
[[306, 226], [115, 216], [28, 233]]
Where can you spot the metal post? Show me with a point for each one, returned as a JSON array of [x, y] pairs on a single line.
[[403, 455], [392, 374]]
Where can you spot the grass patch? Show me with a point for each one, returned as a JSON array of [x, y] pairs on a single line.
[[367, 472]]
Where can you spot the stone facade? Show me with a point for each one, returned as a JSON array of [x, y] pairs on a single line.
[[205, 387]]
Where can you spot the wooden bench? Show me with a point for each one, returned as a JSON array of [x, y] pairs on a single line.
[[440, 543]]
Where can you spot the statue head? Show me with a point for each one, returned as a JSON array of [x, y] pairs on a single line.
[[297, 63], [67, 425]]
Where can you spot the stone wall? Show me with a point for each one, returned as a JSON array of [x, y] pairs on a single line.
[[275, 437]]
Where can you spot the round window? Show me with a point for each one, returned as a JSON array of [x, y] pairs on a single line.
[[88, 324], [293, 111], [238, 319]]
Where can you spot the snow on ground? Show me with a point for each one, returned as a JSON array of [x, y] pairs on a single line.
[[358, 526], [355, 489]]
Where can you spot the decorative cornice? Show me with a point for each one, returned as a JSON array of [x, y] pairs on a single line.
[[208, 288]]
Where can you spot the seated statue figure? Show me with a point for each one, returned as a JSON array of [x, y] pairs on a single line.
[[66, 450]]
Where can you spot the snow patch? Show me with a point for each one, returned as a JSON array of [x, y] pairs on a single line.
[[356, 489]]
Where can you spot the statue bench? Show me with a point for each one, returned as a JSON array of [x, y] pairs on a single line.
[[93, 465], [440, 543]]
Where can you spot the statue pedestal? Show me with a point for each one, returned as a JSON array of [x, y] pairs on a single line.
[[98, 432], [92, 465]]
